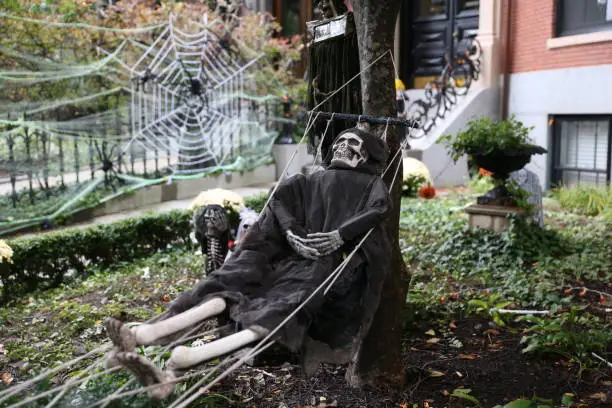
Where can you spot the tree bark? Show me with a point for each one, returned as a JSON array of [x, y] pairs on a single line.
[[378, 362]]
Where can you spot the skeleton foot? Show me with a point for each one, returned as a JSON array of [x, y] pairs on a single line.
[[148, 374], [122, 336], [111, 358], [184, 357]]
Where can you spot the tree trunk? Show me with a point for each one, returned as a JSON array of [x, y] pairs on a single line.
[[379, 360]]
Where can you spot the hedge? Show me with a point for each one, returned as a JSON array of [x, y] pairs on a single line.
[[45, 261]]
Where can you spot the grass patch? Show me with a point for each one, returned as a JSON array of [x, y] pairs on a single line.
[[585, 199]]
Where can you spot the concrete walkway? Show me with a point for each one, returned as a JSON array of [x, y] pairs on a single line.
[[151, 209]]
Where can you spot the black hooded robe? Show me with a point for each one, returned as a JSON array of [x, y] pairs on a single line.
[[266, 279]]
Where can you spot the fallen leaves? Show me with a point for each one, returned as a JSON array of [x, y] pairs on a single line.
[[600, 396], [468, 356], [435, 373], [322, 403], [7, 378], [433, 340]]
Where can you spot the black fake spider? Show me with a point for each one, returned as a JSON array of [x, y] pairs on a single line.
[[195, 92], [111, 172]]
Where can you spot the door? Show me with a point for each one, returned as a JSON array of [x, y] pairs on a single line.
[[431, 30]]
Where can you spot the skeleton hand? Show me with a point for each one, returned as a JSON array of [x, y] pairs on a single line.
[[322, 243], [325, 242], [300, 247]]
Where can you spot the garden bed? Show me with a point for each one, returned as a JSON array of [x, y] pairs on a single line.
[[456, 340]]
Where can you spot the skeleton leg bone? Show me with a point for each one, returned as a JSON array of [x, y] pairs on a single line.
[[184, 357], [126, 339], [146, 334]]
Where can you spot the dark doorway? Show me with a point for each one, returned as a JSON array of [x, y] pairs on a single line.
[[431, 30]]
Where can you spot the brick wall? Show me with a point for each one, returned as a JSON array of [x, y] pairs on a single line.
[[532, 24]]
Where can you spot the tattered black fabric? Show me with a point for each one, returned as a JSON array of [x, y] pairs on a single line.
[[266, 280], [331, 64]]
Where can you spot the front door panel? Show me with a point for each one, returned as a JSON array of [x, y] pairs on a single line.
[[431, 30]]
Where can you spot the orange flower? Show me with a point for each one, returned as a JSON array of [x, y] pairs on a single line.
[[485, 172], [427, 192]]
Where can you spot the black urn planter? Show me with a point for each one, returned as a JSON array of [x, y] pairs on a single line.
[[502, 162]]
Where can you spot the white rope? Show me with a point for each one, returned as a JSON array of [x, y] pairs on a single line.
[[12, 391], [609, 364], [113, 396], [320, 147]]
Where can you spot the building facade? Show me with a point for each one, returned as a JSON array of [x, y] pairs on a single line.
[[548, 62], [560, 82]]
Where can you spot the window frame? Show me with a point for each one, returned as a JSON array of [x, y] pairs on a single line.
[[592, 28], [555, 171]]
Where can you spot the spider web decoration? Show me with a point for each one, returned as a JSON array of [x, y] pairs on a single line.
[[186, 99]]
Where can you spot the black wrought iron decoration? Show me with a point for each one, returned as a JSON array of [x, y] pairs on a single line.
[[455, 80]]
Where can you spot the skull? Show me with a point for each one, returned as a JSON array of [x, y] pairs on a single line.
[[215, 220], [349, 150]]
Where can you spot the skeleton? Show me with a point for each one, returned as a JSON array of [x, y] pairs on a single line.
[[303, 234], [212, 232], [529, 181]]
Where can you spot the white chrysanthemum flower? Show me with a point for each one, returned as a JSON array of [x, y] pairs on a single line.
[[220, 197], [6, 252], [413, 167]]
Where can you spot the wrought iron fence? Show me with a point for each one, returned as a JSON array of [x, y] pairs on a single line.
[[36, 163]]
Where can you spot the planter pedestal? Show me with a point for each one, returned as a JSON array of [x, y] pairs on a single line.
[[491, 217]]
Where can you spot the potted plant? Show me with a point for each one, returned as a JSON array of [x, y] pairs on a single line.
[[500, 147]]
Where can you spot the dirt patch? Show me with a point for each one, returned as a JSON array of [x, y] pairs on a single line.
[[472, 356]]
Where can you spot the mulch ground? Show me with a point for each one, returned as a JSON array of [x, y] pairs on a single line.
[[471, 355]]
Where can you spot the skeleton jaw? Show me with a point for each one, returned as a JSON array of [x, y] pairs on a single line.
[[347, 158]]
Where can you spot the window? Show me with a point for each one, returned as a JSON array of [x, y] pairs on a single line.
[[581, 150], [583, 16]]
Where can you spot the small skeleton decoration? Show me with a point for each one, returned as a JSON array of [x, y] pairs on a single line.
[[248, 217], [529, 181], [309, 226], [212, 231]]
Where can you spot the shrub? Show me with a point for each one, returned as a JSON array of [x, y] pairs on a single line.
[[256, 202], [411, 185], [485, 136], [46, 260], [584, 199]]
